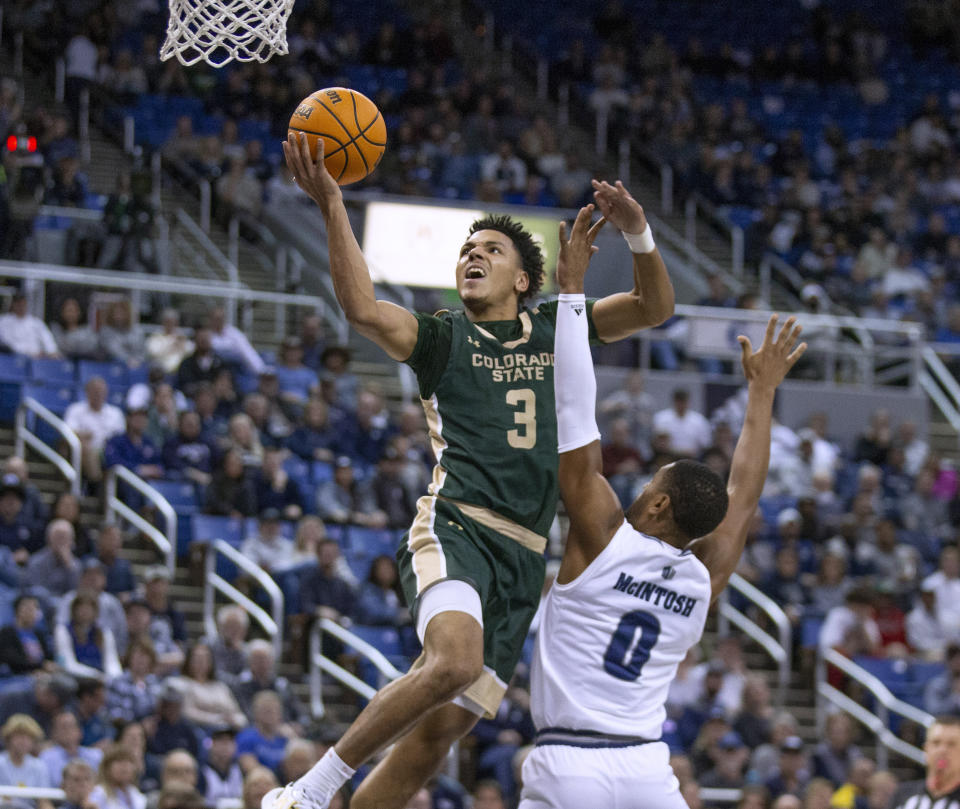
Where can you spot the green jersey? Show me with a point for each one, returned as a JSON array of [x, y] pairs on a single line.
[[487, 390]]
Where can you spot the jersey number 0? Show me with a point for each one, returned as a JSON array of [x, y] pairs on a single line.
[[624, 659]]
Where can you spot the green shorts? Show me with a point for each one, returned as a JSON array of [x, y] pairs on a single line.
[[506, 569]]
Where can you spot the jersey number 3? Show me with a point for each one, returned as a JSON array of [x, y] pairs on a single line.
[[627, 653], [525, 417]]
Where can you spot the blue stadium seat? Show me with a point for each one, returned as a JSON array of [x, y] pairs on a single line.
[[181, 494], [359, 563], [114, 373], [894, 674], [57, 399], [384, 639], [53, 372], [206, 527], [372, 541], [322, 472], [14, 368]]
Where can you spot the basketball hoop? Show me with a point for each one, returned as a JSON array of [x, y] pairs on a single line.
[[218, 31]]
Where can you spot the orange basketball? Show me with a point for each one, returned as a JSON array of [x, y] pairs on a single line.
[[353, 131]]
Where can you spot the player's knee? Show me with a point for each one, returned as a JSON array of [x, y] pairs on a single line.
[[451, 675]]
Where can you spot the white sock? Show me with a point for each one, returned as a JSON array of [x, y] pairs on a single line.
[[327, 775]]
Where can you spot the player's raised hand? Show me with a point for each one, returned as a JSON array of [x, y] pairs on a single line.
[[619, 208], [311, 175], [576, 252], [776, 356]]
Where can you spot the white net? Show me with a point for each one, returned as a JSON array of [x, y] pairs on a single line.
[[218, 31]]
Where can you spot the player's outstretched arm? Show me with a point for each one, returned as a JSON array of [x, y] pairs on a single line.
[[591, 504], [650, 302], [391, 327], [764, 371]]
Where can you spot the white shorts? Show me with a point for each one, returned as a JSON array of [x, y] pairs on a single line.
[[568, 777]]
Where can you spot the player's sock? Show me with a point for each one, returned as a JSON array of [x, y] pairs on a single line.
[[327, 775]]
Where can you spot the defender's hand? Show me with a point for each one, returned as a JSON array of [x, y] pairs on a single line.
[[776, 356], [576, 252], [311, 175], [619, 208]]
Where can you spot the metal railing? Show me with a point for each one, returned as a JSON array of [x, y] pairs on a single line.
[[938, 381], [33, 793], [696, 206], [165, 541], [886, 703], [25, 437], [779, 648], [213, 583], [320, 664]]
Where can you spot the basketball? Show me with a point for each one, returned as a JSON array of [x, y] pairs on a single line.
[[353, 131]]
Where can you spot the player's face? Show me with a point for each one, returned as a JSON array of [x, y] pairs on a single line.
[[489, 270], [943, 749]]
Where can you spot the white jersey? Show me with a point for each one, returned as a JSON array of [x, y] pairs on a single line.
[[611, 640]]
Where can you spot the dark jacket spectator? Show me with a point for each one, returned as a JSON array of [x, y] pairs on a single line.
[[16, 532], [380, 602], [273, 487], [317, 439], [203, 365], [133, 449], [24, 647], [188, 454], [231, 492], [322, 587]]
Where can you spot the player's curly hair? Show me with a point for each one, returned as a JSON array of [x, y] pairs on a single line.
[[531, 256], [698, 497]]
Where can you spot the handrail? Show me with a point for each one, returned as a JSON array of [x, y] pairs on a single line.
[[166, 542], [320, 663], [71, 469], [711, 795], [939, 383], [941, 400], [780, 648], [32, 793], [272, 623], [771, 262], [233, 274], [88, 214], [696, 203], [878, 722]]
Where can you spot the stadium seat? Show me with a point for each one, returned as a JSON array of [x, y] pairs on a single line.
[[372, 541], [114, 373], [207, 527], [322, 472], [359, 563], [14, 368], [53, 372], [56, 399], [181, 494]]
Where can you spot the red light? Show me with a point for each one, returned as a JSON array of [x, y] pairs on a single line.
[[31, 144], [12, 143]]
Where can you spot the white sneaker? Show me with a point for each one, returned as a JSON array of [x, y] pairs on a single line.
[[293, 797]]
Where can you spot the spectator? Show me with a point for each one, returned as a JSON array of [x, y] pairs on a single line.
[[316, 438], [24, 646], [831, 586], [732, 758], [367, 434], [116, 787], [322, 591], [172, 731], [295, 378], [231, 492], [263, 741], [312, 341], [622, 461], [65, 746], [380, 601], [499, 738], [268, 547], [94, 421], [18, 766], [132, 448], [156, 592], [785, 585], [170, 346], [793, 774], [856, 615], [942, 694], [121, 339], [274, 488], [35, 509], [240, 189], [120, 581], [90, 709], [946, 584], [67, 507], [179, 771], [507, 171], [853, 792], [244, 435], [689, 431], [298, 758], [272, 417], [488, 795], [84, 648], [55, 568], [881, 788], [206, 701], [134, 694], [163, 408], [261, 675], [93, 580], [257, 783], [835, 755], [41, 698], [78, 780], [391, 494], [926, 636], [232, 344], [74, 340], [922, 512], [17, 534], [633, 403], [229, 646], [221, 772], [179, 796], [187, 454], [753, 721], [343, 500], [203, 365], [339, 383], [25, 334]]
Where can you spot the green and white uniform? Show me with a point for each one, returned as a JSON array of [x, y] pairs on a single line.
[[487, 390]]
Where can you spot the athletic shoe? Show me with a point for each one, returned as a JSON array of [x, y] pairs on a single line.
[[293, 797]]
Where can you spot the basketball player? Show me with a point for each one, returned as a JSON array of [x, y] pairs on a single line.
[[472, 563], [633, 590], [941, 787]]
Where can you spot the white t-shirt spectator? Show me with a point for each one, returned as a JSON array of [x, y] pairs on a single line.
[[81, 58], [948, 602], [233, 345], [924, 633], [102, 424], [32, 772], [841, 620], [690, 434], [270, 555], [27, 335]]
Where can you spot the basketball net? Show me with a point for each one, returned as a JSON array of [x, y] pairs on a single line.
[[218, 31]]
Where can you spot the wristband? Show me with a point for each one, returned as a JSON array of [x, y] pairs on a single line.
[[572, 297], [641, 242]]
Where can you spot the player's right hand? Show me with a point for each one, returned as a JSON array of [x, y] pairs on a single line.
[[576, 252], [311, 175], [775, 357]]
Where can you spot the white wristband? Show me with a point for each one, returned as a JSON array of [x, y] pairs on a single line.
[[641, 242]]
